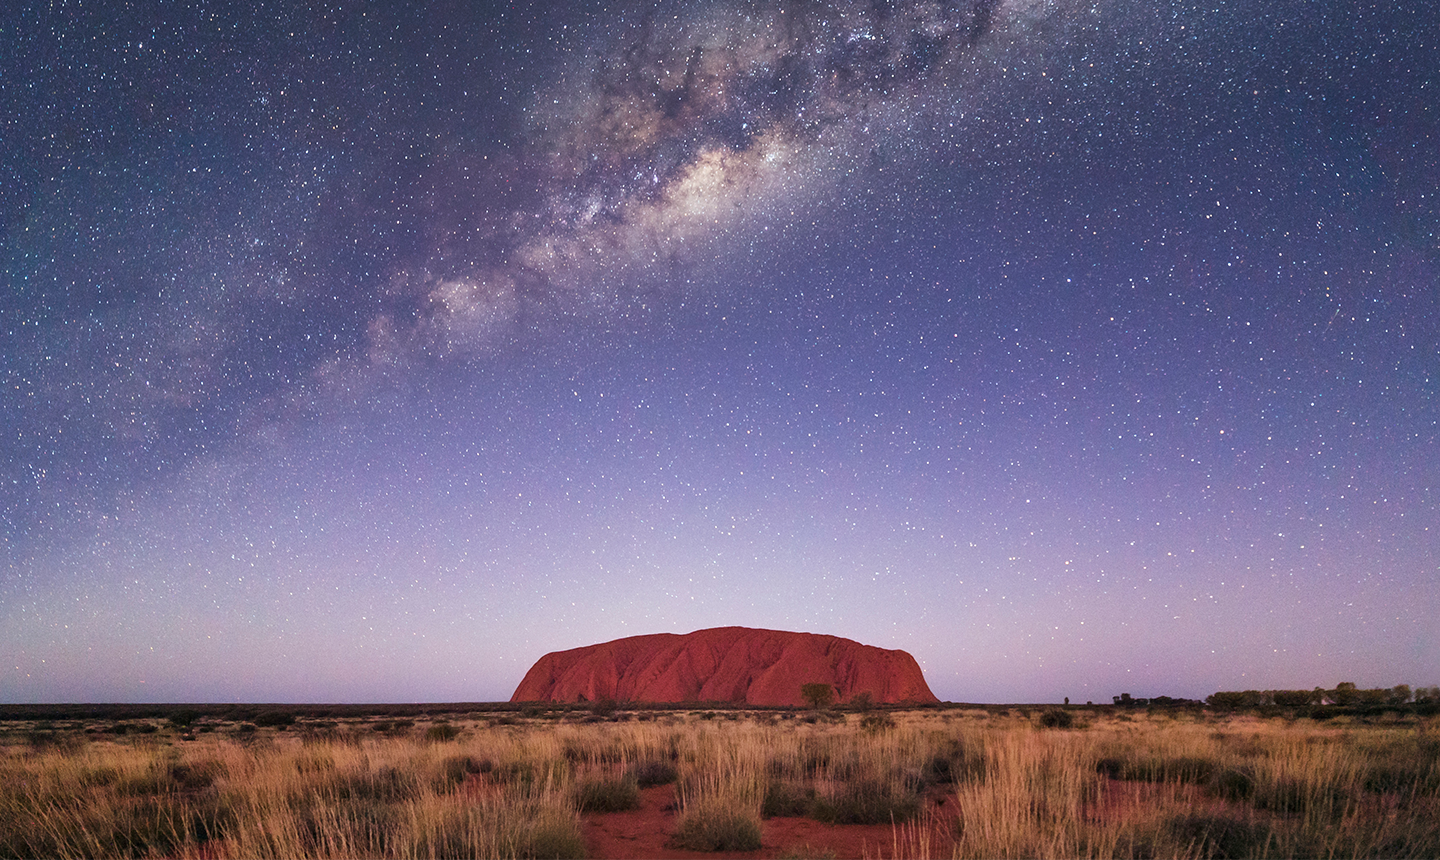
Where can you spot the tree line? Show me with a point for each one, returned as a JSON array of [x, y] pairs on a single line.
[[1345, 694]]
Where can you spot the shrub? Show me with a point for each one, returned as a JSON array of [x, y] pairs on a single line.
[[717, 826], [441, 732], [274, 718], [876, 723], [819, 695], [393, 727], [184, 717], [1057, 718]]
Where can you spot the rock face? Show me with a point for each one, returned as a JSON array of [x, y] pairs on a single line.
[[724, 664]]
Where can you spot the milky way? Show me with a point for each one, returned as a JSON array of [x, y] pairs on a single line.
[[359, 353]]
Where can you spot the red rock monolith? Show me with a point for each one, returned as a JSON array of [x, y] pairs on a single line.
[[724, 664]]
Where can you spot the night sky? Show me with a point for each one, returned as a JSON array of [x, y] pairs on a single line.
[[363, 353]]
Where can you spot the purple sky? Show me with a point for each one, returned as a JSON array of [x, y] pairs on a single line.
[[366, 354]]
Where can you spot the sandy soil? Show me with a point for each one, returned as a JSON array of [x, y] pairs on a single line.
[[645, 833]]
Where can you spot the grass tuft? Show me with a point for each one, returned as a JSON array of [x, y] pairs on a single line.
[[607, 795], [718, 826]]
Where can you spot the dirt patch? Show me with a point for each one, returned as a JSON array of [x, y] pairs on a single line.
[[645, 833]]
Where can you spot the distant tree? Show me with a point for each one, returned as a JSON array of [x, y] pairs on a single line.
[[1400, 694], [1427, 695], [184, 717], [862, 701], [819, 695], [1345, 693], [1377, 696], [1292, 698], [1226, 700]]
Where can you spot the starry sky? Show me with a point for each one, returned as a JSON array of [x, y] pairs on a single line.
[[360, 353]]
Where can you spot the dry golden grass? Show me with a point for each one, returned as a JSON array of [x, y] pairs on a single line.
[[955, 784]]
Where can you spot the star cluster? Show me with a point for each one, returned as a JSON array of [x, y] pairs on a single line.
[[366, 353]]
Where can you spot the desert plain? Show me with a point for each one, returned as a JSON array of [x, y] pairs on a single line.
[[609, 781]]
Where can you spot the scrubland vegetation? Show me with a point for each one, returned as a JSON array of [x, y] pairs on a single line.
[[961, 783]]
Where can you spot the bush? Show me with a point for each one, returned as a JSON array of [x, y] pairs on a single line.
[[819, 695], [876, 723], [184, 717], [1057, 718], [441, 732], [274, 718], [716, 826]]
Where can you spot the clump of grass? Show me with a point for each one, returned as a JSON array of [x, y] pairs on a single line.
[[1221, 836], [607, 795], [441, 732], [456, 769], [786, 800], [866, 801], [954, 763], [877, 722], [654, 772], [1186, 769], [718, 825]]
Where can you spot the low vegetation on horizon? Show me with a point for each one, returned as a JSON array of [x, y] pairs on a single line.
[[956, 782]]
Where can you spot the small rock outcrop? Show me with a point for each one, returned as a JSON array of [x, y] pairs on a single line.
[[724, 664]]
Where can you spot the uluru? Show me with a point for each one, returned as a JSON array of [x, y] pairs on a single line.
[[739, 665]]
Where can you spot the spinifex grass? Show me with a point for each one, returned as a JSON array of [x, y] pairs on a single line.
[[953, 784]]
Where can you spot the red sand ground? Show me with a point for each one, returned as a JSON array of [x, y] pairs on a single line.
[[645, 833]]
